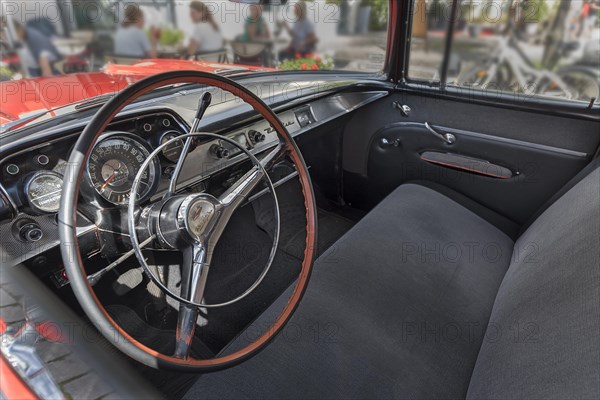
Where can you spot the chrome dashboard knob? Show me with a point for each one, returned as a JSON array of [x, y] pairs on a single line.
[[219, 151], [28, 230], [256, 136]]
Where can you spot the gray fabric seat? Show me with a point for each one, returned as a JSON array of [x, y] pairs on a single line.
[[400, 308]]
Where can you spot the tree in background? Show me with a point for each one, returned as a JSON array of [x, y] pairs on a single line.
[[555, 36], [379, 14]]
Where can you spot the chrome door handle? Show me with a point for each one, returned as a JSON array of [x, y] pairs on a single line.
[[446, 137], [404, 109], [385, 143]]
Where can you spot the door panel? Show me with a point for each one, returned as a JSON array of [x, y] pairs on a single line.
[[540, 153]]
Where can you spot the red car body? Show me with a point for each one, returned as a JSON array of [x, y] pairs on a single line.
[[13, 386], [21, 98]]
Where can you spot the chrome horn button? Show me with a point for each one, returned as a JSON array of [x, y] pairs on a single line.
[[197, 216]]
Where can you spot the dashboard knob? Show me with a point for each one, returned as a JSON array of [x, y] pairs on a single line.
[[219, 151], [42, 159], [256, 136], [27, 230]]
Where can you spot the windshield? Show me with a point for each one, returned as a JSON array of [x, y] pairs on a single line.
[[57, 53]]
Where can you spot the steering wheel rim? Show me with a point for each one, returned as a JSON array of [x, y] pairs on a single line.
[[67, 219]]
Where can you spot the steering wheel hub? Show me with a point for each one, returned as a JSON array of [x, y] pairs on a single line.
[[197, 215]]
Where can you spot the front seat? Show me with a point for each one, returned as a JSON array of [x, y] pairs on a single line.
[[426, 299]]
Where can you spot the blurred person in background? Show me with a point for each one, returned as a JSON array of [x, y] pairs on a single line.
[[583, 17], [593, 16], [130, 39], [38, 54], [206, 36], [304, 38], [255, 28]]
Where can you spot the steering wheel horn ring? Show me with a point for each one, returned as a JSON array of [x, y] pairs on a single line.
[[181, 220]]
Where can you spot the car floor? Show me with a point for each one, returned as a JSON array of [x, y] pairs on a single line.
[[238, 261]]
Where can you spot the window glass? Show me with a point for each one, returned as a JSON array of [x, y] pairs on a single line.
[[547, 48], [86, 35], [429, 28]]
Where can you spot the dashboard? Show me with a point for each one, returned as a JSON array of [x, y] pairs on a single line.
[[31, 178]]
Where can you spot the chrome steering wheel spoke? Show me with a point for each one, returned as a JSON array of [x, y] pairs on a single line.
[[274, 156], [233, 197], [194, 274], [241, 189]]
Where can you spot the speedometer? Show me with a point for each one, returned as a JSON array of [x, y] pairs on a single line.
[[113, 165]]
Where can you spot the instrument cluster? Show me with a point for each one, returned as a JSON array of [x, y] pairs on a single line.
[[33, 180]]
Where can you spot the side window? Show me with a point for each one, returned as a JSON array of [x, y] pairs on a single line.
[[430, 20], [526, 48]]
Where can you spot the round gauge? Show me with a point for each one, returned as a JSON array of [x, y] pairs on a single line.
[[113, 165], [173, 151], [43, 190]]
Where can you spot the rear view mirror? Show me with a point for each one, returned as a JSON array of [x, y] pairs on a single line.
[[262, 2]]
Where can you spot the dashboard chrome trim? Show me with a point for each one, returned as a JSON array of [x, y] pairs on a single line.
[[38, 250]]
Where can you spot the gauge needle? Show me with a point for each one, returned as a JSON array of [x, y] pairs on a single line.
[[46, 195], [111, 177], [197, 213], [109, 180]]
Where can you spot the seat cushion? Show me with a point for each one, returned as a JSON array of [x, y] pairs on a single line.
[[543, 341], [396, 308], [511, 228]]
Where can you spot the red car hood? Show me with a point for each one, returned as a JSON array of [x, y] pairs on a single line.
[[22, 97]]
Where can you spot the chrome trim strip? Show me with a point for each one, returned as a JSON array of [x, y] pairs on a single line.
[[517, 142], [238, 158], [486, 136]]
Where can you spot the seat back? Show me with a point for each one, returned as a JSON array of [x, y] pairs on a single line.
[[543, 339]]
